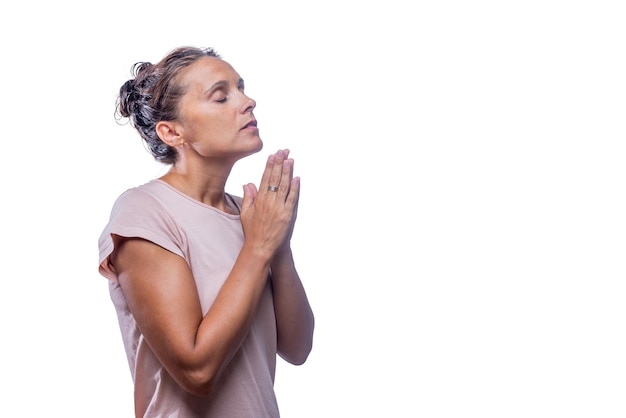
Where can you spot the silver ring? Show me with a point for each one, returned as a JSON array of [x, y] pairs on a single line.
[[272, 188]]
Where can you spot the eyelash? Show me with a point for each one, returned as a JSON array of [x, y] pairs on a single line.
[[241, 88]]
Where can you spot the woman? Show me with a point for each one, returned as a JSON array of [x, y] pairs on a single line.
[[204, 283]]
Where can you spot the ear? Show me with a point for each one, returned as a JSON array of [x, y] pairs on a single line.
[[170, 133]]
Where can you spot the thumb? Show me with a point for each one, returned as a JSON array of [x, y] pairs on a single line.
[[249, 195]]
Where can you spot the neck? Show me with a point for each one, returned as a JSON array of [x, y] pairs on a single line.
[[205, 186]]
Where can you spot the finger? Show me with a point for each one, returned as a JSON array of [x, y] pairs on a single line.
[[249, 194], [294, 195], [286, 176], [274, 170], [265, 178]]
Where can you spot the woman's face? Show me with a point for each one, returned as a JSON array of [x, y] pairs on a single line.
[[215, 115]]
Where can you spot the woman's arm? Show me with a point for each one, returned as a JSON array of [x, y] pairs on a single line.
[[294, 317], [162, 296]]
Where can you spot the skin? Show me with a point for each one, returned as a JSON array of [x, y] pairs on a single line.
[[212, 133]]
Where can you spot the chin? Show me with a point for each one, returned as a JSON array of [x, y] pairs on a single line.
[[258, 147], [252, 150]]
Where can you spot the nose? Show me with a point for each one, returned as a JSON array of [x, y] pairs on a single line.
[[248, 104]]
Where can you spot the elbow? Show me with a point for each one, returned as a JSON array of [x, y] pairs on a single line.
[[199, 382], [296, 348], [304, 354], [297, 355], [300, 359], [297, 358]]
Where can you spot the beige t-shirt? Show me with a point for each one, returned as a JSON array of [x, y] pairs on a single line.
[[209, 240]]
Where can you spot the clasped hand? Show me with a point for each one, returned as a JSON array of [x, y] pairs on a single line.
[[268, 214]]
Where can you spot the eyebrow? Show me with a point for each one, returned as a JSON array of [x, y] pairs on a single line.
[[222, 83]]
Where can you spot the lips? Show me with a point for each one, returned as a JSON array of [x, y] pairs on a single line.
[[252, 123]]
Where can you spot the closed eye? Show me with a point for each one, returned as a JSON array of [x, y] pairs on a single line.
[[220, 97]]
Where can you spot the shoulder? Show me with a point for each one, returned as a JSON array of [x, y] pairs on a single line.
[[150, 192], [146, 212], [139, 205]]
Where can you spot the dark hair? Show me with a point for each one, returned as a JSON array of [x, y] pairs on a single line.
[[152, 95]]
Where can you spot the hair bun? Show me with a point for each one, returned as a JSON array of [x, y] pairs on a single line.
[[127, 98]]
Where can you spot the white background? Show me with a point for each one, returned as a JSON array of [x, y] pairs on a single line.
[[461, 231]]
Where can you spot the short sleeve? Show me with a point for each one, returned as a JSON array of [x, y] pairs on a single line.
[[138, 214]]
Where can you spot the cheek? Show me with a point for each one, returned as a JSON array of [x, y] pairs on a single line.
[[222, 125], [203, 126]]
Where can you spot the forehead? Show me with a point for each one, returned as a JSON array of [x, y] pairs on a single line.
[[208, 70]]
